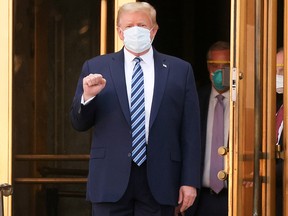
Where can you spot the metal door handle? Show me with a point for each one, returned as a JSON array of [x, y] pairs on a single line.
[[6, 189], [223, 174]]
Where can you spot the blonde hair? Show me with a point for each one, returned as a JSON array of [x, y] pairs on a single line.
[[135, 7]]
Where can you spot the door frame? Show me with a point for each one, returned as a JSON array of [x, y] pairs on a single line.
[[6, 68]]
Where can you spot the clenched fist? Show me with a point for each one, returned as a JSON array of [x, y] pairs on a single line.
[[92, 85]]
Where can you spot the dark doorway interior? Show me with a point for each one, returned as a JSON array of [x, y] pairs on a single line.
[[188, 28]]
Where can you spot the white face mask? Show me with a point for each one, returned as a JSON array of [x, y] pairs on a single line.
[[279, 84], [137, 39]]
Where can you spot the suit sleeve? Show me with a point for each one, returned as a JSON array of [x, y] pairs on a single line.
[[191, 143], [82, 116]]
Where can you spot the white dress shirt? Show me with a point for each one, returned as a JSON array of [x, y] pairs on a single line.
[[147, 65]]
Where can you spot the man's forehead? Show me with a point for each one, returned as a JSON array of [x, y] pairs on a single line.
[[280, 57], [135, 17], [220, 54]]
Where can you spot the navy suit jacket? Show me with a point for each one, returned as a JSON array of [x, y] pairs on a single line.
[[204, 97], [173, 152]]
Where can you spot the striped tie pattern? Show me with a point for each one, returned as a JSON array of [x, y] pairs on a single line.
[[138, 114]]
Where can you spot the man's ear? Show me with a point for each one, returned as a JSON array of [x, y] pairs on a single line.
[[154, 31], [120, 33]]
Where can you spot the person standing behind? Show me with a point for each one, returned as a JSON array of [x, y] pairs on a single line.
[[279, 129], [144, 110], [214, 109]]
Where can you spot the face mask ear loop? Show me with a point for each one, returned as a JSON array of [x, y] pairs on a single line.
[[121, 31], [153, 37]]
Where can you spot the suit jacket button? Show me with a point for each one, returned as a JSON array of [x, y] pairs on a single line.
[[129, 154]]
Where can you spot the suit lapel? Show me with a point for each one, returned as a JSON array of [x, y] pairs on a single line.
[[161, 74], [119, 82], [118, 78]]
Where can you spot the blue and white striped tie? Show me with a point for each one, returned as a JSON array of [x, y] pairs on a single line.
[[138, 114]]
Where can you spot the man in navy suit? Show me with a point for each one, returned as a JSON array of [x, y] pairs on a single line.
[[210, 202], [169, 171]]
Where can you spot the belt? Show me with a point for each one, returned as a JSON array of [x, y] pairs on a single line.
[[224, 191]]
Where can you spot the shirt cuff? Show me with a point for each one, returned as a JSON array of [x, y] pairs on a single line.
[[85, 102]]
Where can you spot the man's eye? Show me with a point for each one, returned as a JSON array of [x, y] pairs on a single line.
[[142, 25]]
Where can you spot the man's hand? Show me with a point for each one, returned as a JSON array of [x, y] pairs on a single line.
[[92, 85], [187, 195]]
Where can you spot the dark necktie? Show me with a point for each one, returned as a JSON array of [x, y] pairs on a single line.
[[217, 141], [138, 114]]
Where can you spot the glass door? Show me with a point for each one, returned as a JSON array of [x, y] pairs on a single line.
[[52, 39], [252, 150]]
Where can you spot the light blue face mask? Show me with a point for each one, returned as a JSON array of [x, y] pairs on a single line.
[[217, 79], [137, 39]]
